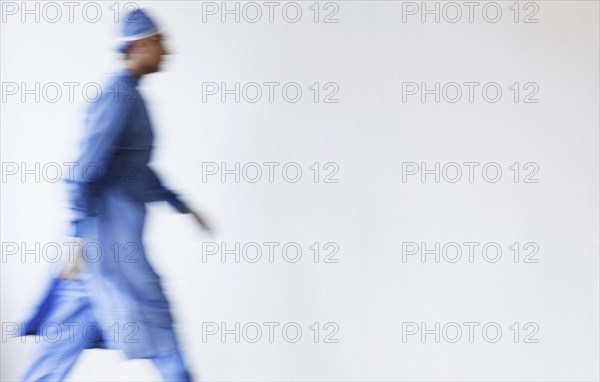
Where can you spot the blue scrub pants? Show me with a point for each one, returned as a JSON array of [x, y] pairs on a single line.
[[69, 329]]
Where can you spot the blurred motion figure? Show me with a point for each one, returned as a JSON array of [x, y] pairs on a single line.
[[116, 289]]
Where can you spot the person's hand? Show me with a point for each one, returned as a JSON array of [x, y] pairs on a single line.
[[71, 269], [203, 224]]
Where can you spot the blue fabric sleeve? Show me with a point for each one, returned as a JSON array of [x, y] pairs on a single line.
[[106, 122], [156, 191]]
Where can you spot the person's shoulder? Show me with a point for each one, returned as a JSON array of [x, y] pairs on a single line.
[[120, 81], [120, 87]]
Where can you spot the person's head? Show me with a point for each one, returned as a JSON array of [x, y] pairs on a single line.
[[141, 43], [146, 54]]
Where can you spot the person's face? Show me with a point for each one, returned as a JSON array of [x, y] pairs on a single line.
[[148, 52]]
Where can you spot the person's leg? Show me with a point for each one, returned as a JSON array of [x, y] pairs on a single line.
[[172, 367], [64, 333], [53, 361]]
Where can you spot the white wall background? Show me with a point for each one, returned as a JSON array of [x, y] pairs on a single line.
[[369, 53]]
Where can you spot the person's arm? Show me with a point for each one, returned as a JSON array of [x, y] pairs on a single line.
[[156, 191], [70, 269], [106, 122]]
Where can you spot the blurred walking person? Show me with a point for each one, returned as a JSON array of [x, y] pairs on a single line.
[[116, 300]]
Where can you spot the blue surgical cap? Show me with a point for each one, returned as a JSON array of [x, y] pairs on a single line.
[[136, 26]]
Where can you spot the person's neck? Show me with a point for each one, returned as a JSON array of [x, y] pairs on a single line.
[[134, 69]]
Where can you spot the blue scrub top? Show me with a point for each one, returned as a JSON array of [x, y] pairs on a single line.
[[116, 150]]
